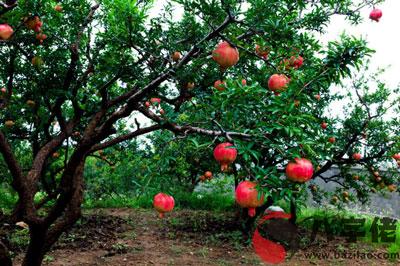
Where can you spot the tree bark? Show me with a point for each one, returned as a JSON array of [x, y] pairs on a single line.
[[5, 259], [43, 236], [36, 249]]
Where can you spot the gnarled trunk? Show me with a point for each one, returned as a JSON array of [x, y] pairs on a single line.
[[43, 236]]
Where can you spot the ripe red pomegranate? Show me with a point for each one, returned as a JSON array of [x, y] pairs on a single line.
[[225, 55], [324, 125], [155, 100], [244, 82], [396, 156], [219, 85], [5, 31], [301, 170], [225, 155], [34, 23], [147, 104], [278, 83], [3, 90], [296, 62], [375, 14], [162, 112], [263, 52], [317, 97], [357, 156], [246, 196], [208, 174], [332, 140], [163, 203], [41, 37]]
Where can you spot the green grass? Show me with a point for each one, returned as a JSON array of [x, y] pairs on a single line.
[[307, 216]]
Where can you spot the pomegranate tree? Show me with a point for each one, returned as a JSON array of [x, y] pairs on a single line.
[[301, 170], [225, 55], [225, 154], [247, 196], [163, 203]]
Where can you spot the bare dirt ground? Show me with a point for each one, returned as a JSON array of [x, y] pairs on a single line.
[[138, 237]]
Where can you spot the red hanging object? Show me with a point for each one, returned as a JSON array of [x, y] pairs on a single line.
[[268, 251]]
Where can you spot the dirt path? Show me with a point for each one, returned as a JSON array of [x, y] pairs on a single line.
[[137, 237], [146, 240]]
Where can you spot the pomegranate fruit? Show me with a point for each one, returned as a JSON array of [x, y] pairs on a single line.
[[190, 85], [392, 187], [9, 123], [3, 90], [278, 82], [163, 203], [357, 156], [176, 56], [246, 196], [262, 52], [356, 177], [208, 175], [5, 31], [37, 61], [317, 97], [162, 112], [375, 14], [301, 170], [155, 100], [332, 140], [244, 82], [30, 103], [58, 8], [219, 85], [225, 55], [41, 37], [324, 125], [396, 156], [147, 104], [224, 154], [34, 23], [296, 62]]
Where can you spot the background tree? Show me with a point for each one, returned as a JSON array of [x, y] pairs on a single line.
[[76, 76]]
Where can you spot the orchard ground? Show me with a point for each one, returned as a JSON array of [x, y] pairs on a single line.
[[127, 236]]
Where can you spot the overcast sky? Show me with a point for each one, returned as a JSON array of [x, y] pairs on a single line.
[[384, 37]]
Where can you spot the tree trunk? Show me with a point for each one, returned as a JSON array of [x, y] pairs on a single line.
[[36, 249], [42, 237], [5, 259]]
